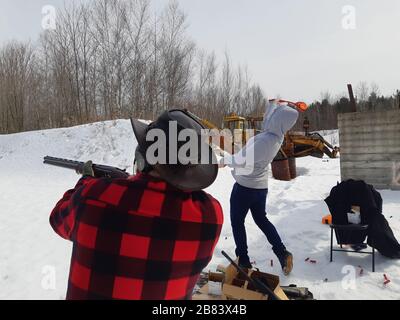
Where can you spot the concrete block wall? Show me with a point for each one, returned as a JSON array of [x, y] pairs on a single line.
[[370, 147]]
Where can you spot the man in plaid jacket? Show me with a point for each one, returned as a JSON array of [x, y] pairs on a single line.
[[136, 238]]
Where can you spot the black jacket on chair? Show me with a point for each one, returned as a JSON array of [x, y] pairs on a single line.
[[358, 193]]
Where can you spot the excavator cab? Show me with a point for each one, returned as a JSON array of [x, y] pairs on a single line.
[[239, 127], [255, 123], [234, 122]]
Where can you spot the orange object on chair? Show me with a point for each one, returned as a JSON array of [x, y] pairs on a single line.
[[327, 219]]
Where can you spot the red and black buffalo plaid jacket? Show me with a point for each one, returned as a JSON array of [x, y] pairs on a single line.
[[137, 238]]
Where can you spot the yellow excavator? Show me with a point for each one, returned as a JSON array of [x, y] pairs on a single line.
[[313, 144], [295, 145]]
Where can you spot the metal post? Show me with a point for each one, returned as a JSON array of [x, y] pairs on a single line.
[[373, 259], [352, 99]]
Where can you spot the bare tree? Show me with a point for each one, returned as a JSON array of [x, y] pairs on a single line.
[[111, 58], [16, 62], [362, 91], [177, 55], [226, 85]]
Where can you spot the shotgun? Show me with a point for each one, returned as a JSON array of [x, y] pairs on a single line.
[[100, 171]]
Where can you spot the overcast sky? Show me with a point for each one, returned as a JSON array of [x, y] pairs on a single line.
[[294, 48]]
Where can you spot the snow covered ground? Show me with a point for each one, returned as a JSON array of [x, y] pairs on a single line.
[[31, 253]]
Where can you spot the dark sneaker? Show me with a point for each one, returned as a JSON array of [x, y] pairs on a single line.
[[244, 262], [286, 260]]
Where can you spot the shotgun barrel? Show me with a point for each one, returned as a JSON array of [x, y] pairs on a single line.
[[100, 171]]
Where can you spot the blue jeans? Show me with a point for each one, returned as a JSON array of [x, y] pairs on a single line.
[[242, 200]]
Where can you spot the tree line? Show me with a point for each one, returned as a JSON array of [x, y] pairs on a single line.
[[323, 114], [111, 59]]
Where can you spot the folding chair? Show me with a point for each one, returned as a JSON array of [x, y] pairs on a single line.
[[342, 233]]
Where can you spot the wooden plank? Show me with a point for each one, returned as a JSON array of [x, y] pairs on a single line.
[[387, 144], [367, 164], [348, 157], [370, 136], [368, 115], [355, 128], [378, 173], [369, 123], [380, 133], [370, 150], [373, 172], [370, 143]]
